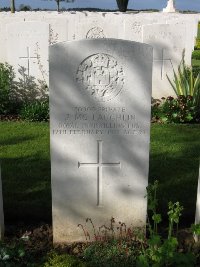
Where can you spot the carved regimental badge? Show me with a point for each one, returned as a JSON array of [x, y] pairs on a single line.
[[101, 76], [95, 33]]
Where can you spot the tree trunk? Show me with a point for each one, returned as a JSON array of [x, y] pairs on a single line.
[[12, 7], [122, 5]]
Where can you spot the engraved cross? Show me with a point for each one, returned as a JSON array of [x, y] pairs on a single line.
[[99, 165], [28, 57], [162, 60]]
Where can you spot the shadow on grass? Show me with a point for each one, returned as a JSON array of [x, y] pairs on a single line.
[[14, 140], [26, 189]]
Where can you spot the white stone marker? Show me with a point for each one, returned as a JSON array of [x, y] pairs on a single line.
[[93, 25], [168, 42], [3, 35], [32, 40], [170, 8], [100, 102], [1, 210]]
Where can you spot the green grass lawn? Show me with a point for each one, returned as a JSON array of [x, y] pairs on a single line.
[[25, 158]]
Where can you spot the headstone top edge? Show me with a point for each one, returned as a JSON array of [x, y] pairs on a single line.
[[103, 40]]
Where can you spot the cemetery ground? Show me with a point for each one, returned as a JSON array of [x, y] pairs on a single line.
[[25, 159]]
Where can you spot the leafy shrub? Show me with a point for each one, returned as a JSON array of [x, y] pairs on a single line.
[[175, 110], [28, 89], [56, 260], [197, 45], [196, 54], [12, 255], [36, 111], [14, 93], [195, 71], [6, 82]]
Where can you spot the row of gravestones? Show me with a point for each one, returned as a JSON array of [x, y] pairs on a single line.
[[31, 33]]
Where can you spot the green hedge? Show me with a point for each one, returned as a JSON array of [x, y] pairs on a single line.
[[195, 70], [197, 46], [198, 34], [196, 54]]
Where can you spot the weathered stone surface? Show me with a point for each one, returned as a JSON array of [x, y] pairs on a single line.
[[100, 102]]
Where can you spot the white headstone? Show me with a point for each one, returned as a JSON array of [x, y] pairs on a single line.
[[3, 35], [32, 41], [1, 210], [100, 102], [91, 26], [168, 42], [170, 8]]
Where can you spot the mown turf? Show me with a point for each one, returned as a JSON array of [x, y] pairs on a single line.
[[24, 154], [25, 157]]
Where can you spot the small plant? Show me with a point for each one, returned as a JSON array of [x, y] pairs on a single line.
[[56, 260], [13, 254], [163, 252], [152, 207], [184, 84], [196, 229], [114, 245], [36, 111], [175, 110]]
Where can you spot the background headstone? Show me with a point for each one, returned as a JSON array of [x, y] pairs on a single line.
[[169, 43], [32, 40], [100, 102], [91, 25], [4, 21]]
